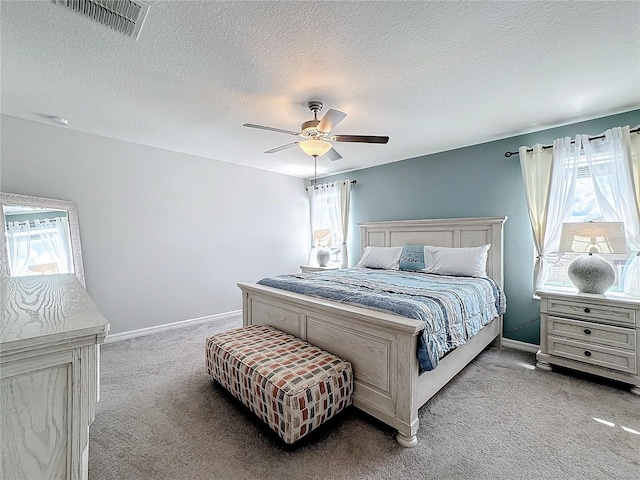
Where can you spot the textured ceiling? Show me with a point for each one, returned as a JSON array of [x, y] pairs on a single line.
[[433, 76]]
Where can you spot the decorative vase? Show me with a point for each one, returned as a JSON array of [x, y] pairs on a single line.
[[323, 256]]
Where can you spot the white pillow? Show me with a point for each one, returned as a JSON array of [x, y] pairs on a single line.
[[464, 261], [387, 258]]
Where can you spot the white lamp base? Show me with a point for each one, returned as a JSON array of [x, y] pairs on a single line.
[[323, 256], [591, 274]]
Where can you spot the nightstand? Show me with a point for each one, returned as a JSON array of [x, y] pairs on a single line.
[[316, 268], [597, 334]]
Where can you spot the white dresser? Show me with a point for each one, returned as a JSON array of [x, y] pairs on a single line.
[[598, 334], [49, 368]]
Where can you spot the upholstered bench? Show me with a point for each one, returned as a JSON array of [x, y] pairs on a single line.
[[291, 385]]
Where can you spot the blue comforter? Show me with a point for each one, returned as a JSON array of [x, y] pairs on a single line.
[[453, 309]]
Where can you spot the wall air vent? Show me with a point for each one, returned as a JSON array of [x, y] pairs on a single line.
[[124, 16]]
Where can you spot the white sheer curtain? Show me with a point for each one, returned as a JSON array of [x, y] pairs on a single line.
[[54, 234], [316, 208], [329, 209], [19, 246], [549, 181], [612, 171]]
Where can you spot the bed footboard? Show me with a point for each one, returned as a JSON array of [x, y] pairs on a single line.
[[380, 346]]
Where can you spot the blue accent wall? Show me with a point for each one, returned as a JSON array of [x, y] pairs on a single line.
[[467, 182]]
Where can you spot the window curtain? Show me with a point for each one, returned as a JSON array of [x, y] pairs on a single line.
[[345, 202], [315, 210], [330, 201], [549, 180], [617, 193], [54, 234], [635, 163], [19, 246]]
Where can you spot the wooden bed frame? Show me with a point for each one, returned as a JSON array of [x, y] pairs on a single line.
[[381, 346]]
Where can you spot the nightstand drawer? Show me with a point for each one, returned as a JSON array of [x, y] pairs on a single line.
[[592, 311], [601, 356], [592, 333]]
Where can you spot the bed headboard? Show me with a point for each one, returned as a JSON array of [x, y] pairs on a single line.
[[445, 232]]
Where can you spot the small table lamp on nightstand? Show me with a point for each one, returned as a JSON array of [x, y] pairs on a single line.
[[590, 273]]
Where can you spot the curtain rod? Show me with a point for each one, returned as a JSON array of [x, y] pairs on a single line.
[[352, 182], [544, 147]]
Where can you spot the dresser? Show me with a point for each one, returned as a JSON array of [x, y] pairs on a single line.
[[597, 334], [49, 368]]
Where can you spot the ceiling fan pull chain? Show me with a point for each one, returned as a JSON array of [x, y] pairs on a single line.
[[315, 171]]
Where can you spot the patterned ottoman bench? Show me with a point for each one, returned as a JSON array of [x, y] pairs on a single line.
[[291, 385]]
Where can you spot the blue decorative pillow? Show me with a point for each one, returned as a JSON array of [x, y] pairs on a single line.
[[412, 258]]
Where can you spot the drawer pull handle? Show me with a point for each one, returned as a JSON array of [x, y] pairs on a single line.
[[587, 310], [587, 331], [587, 353]]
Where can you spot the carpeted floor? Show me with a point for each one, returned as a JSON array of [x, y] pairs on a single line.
[[161, 417]]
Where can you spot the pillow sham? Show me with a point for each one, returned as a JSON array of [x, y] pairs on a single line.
[[386, 258], [412, 258], [462, 261]]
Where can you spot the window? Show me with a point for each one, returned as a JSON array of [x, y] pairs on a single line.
[[327, 235], [329, 208], [584, 208], [585, 179], [39, 247], [38, 260]]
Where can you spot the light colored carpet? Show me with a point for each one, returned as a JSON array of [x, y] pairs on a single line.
[[161, 417]]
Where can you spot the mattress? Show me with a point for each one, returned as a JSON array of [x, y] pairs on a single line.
[[453, 309]]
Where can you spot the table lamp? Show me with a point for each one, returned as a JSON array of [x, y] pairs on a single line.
[[590, 273]]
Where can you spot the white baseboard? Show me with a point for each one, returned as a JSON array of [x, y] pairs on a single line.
[[527, 347], [117, 337]]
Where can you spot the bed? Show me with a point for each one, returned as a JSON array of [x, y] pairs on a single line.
[[382, 347]]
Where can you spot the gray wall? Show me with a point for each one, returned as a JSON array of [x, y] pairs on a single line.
[[467, 182], [165, 236]]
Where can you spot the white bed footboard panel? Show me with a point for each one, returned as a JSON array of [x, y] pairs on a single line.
[[381, 347]]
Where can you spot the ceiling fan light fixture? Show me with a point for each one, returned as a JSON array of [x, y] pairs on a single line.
[[315, 148]]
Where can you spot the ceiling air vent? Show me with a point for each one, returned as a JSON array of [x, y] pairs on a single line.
[[124, 16]]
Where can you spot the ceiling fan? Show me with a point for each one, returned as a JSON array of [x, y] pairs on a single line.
[[318, 134]]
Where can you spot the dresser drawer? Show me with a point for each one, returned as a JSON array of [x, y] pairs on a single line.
[[591, 311], [592, 333], [624, 361]]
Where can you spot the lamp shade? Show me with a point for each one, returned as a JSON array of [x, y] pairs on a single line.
[[315, 148], [322, 237], [593, 237]]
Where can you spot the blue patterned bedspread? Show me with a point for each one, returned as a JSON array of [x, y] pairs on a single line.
[[453, 309]]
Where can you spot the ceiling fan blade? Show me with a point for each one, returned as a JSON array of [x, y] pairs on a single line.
[[272, 129], [360, 138], [282, 147], [330, 120], [333, 155]]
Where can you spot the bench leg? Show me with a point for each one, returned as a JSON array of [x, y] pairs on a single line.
[[405, 441]]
